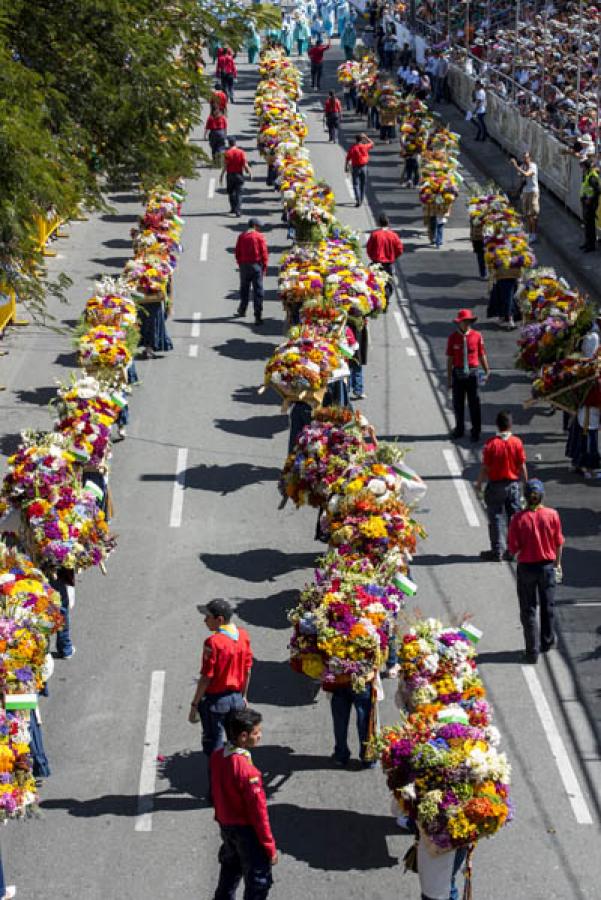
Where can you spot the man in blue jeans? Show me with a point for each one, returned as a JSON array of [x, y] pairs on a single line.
[[357, 159], [343, 700], [224, 675], [503, 466], [64, 584], [252, 257]]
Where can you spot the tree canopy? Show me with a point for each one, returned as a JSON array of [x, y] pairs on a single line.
[[97, 90]]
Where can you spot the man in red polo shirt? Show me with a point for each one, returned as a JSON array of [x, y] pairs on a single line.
[[333, 114], [218, 98], [224, 674], [384, 247], [316, 53], [357, 159], [536, 539], [235, 167], [465, 356], [248, 849], [228, 72], [252, 257], [503, 465]]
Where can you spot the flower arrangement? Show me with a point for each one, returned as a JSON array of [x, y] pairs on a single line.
[[38, 470], [373, 528], [341, 631], [347, 72], [18, 793], [439, 186], [359, 291], [543, 294], [302, 366], [566, 381], [111, 305], [508, 251], [104, 346]]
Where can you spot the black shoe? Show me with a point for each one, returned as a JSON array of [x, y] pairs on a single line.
[[530, 657], [357, 204], [474, 438], [490, 556], [239, 314], [508, 557], [258, 320], [544, 648], [456, 433]]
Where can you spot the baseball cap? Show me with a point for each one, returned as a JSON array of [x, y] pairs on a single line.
[[534, 486], [254, 223]]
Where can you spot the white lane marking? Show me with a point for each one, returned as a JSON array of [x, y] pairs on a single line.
[[211, 189], [349, 187], [411, 351], [179, 486], [151, 749], [204, 248], [195, 330], [193, 350], [460, 484], [400, 323], [558, 749]]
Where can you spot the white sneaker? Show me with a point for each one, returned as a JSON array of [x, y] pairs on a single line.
[[11, 891]]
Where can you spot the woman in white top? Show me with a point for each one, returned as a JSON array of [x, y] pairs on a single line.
[[480, 112], [530, 193]]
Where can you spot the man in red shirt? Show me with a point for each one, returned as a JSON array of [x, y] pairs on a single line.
[[228, 72], [224, 674], [536, 539], [316, 53], [503, 465], [235, 167], [357, 159], [218, 98], [384, 247], [333, 115], [248, 850], [465, 355], [252, 257]]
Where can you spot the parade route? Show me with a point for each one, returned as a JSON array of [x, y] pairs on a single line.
[[195, 487]]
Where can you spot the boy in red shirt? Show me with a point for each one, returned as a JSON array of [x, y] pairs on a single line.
[[503, 466], [357, 159], [248, 850], [224, 674]]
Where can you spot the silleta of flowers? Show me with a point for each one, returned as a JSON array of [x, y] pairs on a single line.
[[441, 761]]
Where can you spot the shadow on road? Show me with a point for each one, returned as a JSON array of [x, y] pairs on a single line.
[[268, 612], [257, 565], [257, 426]]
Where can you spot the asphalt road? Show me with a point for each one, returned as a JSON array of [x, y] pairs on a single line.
[[201, 408]]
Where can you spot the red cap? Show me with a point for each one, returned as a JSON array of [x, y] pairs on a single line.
[[465, 315]]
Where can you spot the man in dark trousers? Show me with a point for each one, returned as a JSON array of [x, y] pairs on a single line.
[[252, 257], [590, 190], [316, 54], [465, 356], [235, 167], [384, 247], [224, 674], [536, 539], [248, 850], [503, 466], [357, 159]]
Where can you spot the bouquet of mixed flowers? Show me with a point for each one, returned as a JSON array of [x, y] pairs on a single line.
[[541, 342], [300, 368], [18, 792], [567, 381], [104, 347], [71, 532], [543, 294], [148, 274], [39, 469], [439, 186], [300, 277], [366, 526], [508, 251], [348, 72], [342, 631], [322, 452], [111, 305], [359, 291], [448, 777]]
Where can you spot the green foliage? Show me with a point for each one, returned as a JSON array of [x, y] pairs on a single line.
[[94, 91]]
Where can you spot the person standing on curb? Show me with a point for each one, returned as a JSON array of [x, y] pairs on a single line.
[[530, 193], [248, 849], [503, 465], [252, 257], [357, 159], [316, 54], [480, 112], [333, 115], [536, 539], [590, 190], [384, 247], [235, 167], [465, 356], [224, 675]]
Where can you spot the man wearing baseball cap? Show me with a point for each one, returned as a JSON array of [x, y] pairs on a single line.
[[224, 674], [536, 539], [252, 257], [465, 356]]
